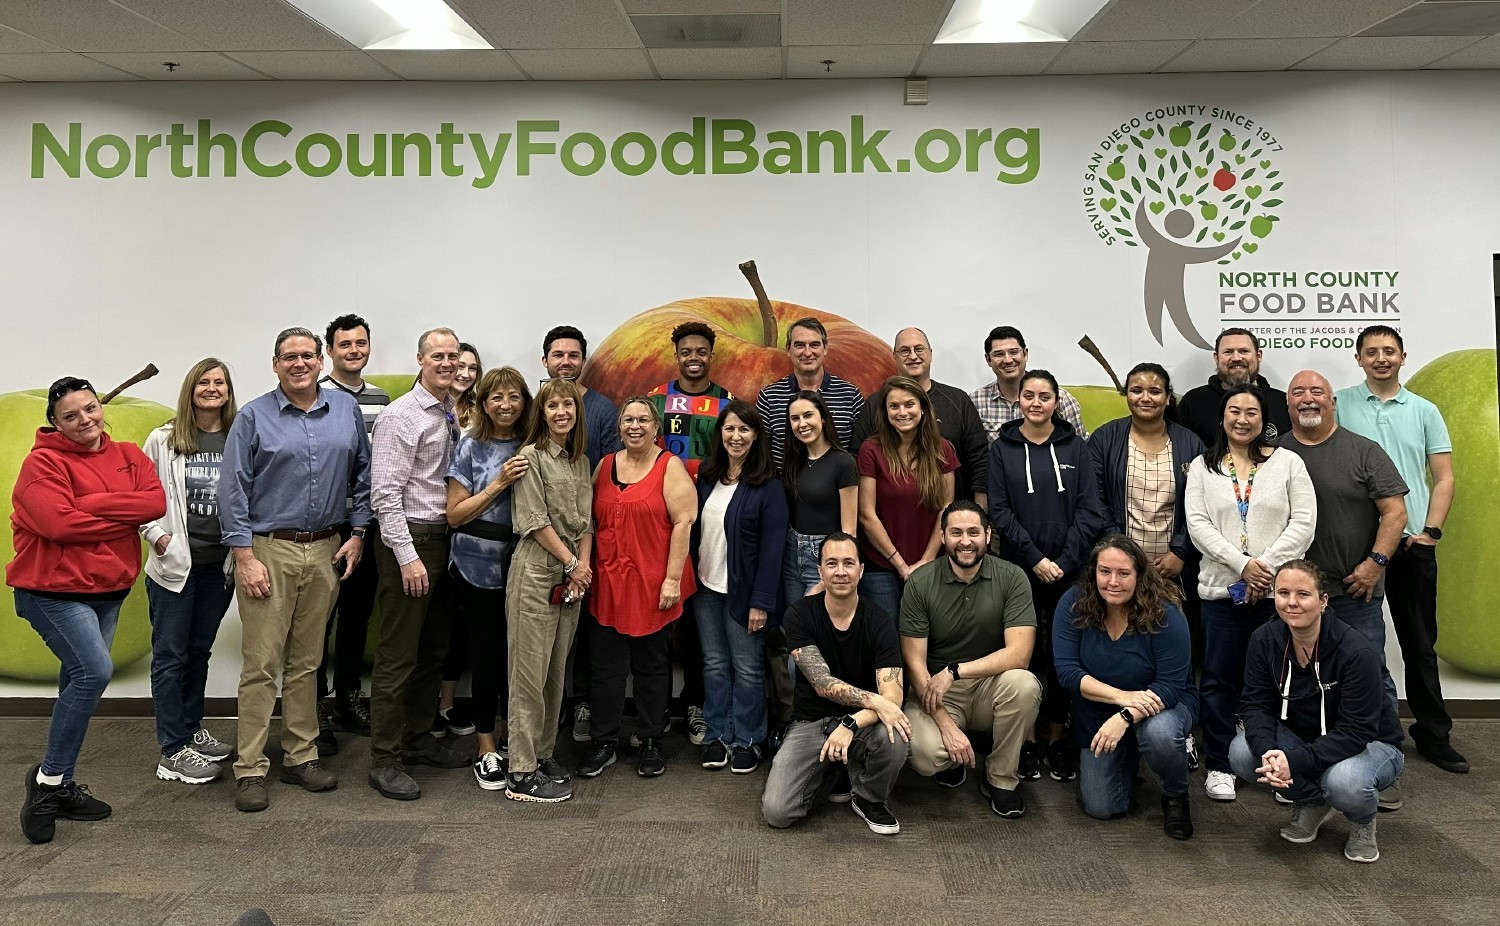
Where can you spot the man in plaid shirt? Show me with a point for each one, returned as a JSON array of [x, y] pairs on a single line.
[[1000, 401]]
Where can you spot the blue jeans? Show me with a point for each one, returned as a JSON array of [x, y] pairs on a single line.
[[1104, 782], [1226, 635], [1352, 786], [734, 690], [183, 627], [79, 633], [883, 589], [799, 565], [1368, 617]]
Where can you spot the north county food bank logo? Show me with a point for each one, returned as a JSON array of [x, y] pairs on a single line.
[[1191, 184]]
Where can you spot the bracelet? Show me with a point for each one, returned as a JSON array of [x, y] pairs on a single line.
[[1129, 717], [568, 569]]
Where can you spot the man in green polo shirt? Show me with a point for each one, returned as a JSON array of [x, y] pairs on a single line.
[[967, 629], [1411, 430]]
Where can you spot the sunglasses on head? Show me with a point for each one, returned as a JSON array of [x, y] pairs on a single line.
[[66, 385]]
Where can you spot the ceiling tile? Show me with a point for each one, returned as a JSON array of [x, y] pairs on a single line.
[[987, 60], [702, 6], [1113, 57], [852, 60], [91, 25], [462, 64], [1485, 54], [63, 66], [1281, 19], [570, 24], [195, 65], [584, 63], [19, 43], [1385, 53], [1432, 18], [244, 25], [863, 22], [1161, 19], [315, 65], [717, 63], [1244, 54]]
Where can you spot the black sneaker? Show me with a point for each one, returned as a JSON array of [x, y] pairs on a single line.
[[1030, 766], [536, 788], [350, 714], [876, 815], [715, 755], [1062, 760], [39, 808], [74, 802], [489, 771], [1444, 756], [551, 769], [951, 777], [746, 760], [843, 789], [327, 743], [651, 763], [457, 721], [601, 757], [427, 749], [1008, 804]]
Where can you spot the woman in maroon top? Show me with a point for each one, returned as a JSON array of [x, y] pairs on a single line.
[[644, 504], [905, 481]]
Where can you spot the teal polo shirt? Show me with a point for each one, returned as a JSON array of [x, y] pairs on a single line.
[[1407, 428], [965, 621]]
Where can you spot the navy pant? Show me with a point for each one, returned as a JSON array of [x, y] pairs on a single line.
[[1226, 635], [183, 627]]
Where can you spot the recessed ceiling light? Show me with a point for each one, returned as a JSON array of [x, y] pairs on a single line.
[[976, 22], [393, 24]]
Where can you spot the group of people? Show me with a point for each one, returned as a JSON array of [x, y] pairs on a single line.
[[868, 581]]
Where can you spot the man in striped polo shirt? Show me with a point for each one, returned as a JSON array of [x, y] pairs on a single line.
[[807, 346], [347, 342]]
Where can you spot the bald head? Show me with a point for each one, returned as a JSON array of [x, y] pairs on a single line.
[[913, 353], [1309, 400]]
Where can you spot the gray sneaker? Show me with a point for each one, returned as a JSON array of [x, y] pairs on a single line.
[[209, 746], [1307, 819], [187, 765], [581, 722], [1390, 799], [1361, 845]]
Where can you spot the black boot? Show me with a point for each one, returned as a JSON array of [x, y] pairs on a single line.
[[1178, 821], [350, 713]]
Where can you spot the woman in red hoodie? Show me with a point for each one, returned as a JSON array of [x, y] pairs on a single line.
[[79, 500]]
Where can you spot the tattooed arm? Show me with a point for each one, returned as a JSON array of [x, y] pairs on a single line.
[[810, 662]]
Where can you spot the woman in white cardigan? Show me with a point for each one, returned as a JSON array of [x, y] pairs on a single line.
[[188, 573], [1250, 508]]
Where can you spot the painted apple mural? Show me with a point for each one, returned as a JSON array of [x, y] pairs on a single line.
[[23, 655], [1463, 386], [637, 356]]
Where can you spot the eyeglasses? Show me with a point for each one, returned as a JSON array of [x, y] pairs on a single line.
[[1002, 354], [917, 351], [293, 358], [68, 384]]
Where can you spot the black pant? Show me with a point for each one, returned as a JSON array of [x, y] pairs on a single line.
[[615, 657], [484, 611], [457, 659], [580, 679], [687, 651], [351, 614], [1055, 699], [1411, 592]]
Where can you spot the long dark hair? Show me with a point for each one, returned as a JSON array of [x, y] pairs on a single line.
[[793, 451], [925, 464], [758, 467], [1146, 612], [1160, 372], [1051, 381], [1260, 451]]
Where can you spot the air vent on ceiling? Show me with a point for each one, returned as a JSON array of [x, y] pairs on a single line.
[[734, 30]]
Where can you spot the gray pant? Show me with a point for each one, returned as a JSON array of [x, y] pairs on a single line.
[[798, 779]]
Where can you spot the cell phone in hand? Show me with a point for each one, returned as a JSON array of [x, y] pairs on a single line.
[[1239, 592], [560, 595]]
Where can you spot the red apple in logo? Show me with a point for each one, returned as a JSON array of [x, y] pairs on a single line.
[[1224, 179], [638, 355]]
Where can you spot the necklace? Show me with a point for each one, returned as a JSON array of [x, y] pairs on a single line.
[[1242, 502]]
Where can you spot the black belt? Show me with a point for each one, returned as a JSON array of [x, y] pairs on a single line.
[[488, 530], [419, 529], [302, 536]]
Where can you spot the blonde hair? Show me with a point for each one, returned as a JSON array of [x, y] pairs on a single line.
[[184, 436]]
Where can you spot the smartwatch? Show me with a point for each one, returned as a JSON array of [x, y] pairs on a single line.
[[357, 532], [1436, 533], [1380, 559], [849, 723], [953, 670]]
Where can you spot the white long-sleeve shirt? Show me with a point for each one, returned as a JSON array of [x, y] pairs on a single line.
[[1283, 515]]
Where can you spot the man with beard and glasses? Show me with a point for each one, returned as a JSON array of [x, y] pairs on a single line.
[[1361, 517], [1237, 362], [967, 630]]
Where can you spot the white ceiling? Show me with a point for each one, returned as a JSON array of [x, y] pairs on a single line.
[[98, 40]]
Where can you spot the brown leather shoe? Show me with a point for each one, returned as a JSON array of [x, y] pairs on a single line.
[[250, 794], [310, 775]]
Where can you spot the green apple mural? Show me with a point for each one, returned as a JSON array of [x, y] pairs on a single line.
[[23, 655], [1463, 386]]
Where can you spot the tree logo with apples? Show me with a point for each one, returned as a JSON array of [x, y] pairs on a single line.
[[1191, 184]]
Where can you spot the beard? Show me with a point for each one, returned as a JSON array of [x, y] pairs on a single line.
[[1237, 376], [1309, 419], [966, 559]]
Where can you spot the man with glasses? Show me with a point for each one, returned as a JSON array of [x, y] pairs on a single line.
[[958, 420], [291, 459], [413, 445], [998, 402]]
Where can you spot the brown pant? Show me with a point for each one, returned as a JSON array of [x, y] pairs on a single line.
[[1006, 704], [540, 635], [283, 634], [408, 671]]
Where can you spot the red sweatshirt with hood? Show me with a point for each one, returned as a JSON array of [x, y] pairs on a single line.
[[76, 516]]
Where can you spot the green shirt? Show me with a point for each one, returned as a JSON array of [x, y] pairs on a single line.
[[964, 621], [1408, 428]]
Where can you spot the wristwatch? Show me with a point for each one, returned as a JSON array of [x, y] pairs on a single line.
[[1380, 559], [1436, 533], [357, 532], [848, 722], [953, 670]]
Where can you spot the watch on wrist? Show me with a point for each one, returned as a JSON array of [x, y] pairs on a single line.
[[1129, 717], [953, 670], [1436, 533], [849, 723], [357, 532], [1380, 559]]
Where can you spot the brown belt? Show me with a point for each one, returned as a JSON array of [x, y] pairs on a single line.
[[302, 536]]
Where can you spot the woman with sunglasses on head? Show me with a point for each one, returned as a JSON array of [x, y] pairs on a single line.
[[80, 499], [189, 572]]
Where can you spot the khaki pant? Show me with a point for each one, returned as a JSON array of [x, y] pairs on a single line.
[[283, 634], [1006, 704], [408, 671], [540, 636]]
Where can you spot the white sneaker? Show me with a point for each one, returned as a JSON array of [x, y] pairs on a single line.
[[1220, 786], [188, 766]]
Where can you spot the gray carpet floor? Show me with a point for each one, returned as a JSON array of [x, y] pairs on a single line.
[[690, 848]]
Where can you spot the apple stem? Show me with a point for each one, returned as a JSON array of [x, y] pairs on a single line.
[[1087, 343], [148, 371], [767, 317]]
